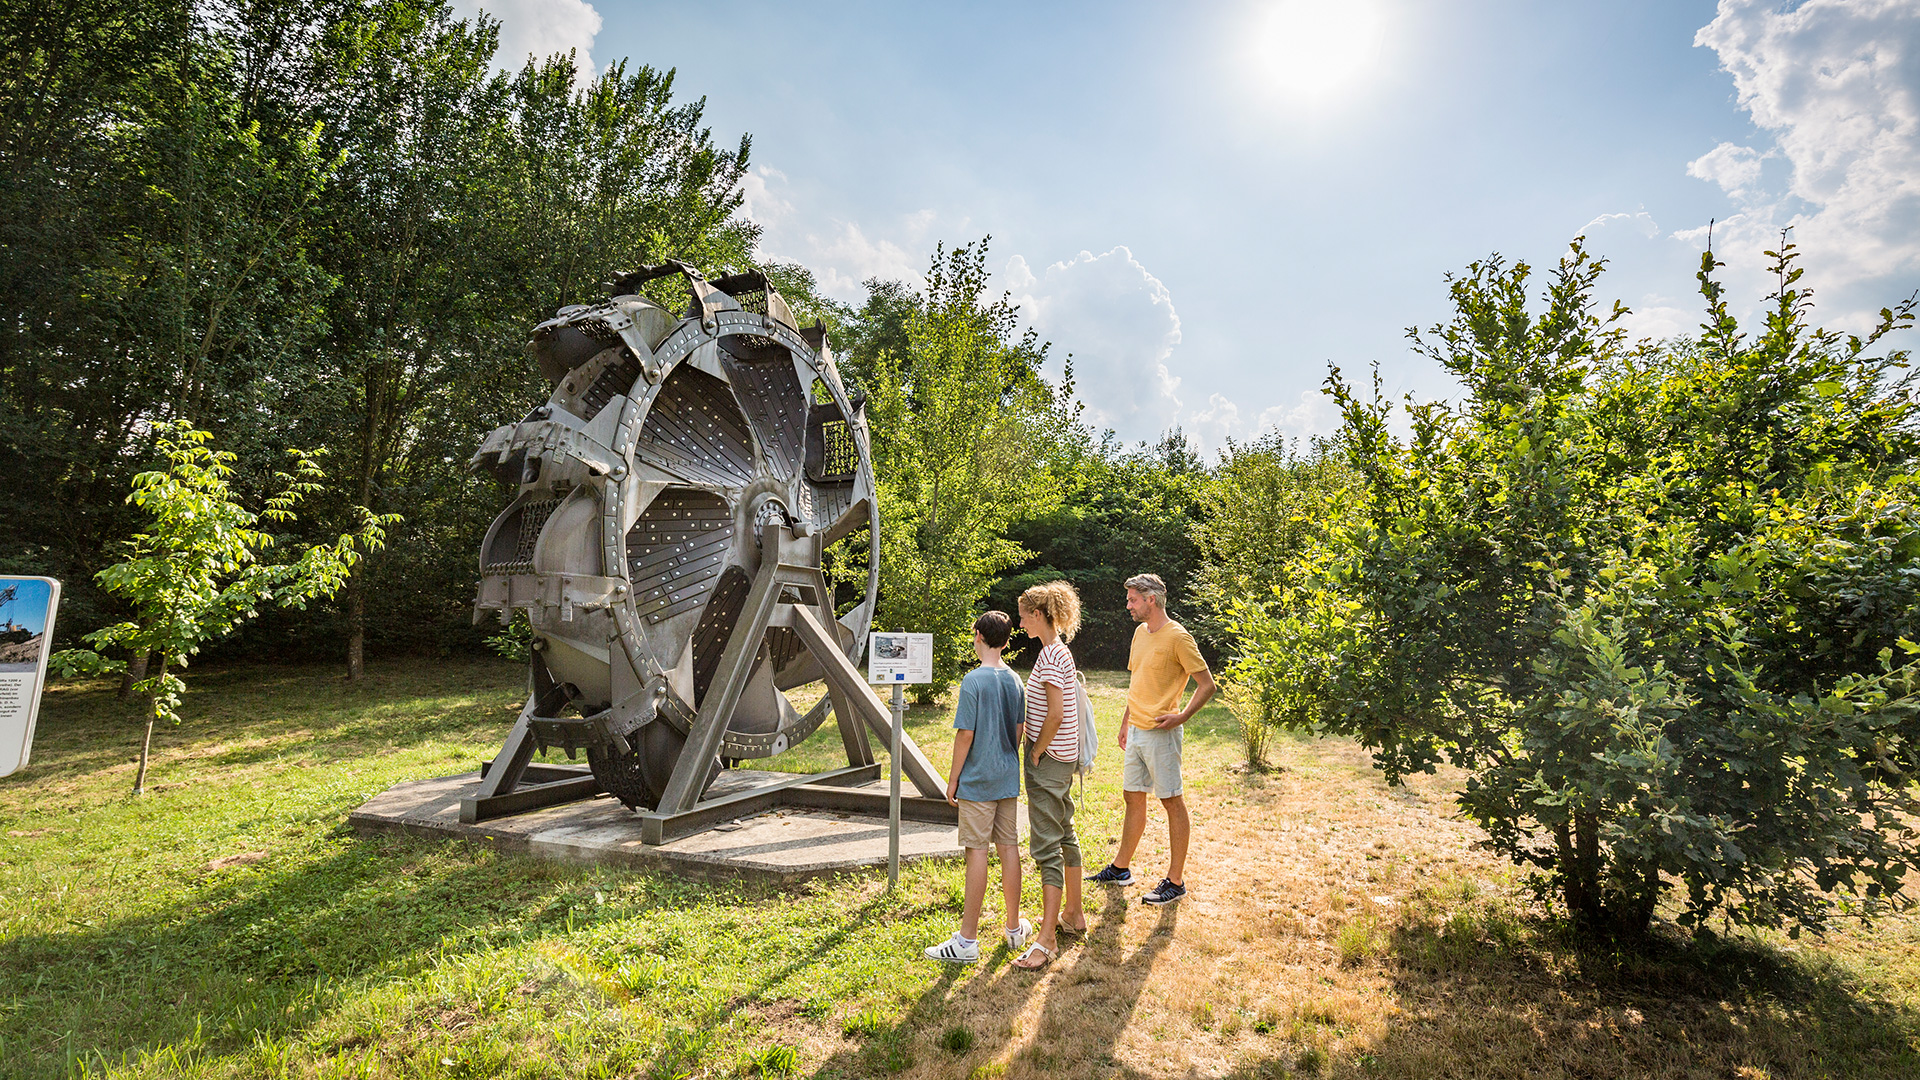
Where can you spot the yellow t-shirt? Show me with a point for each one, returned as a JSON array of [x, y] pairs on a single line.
[[1160, 664]]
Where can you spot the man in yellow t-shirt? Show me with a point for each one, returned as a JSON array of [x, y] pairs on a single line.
[[1163, 657]]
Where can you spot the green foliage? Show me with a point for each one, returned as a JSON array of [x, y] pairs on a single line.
[[963, 424], [1122, 511], [866, 1023], [879, 326], [1255, 708], [152, 266], [311, 224], [1649, 597], [515, 640], [1264, 506], [197, 572]]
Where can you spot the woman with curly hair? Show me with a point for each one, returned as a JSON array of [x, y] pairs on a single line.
[[1050, 613]]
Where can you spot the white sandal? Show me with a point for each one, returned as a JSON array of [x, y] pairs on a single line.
[[1031, 949]]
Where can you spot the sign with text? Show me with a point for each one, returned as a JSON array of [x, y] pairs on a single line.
[[899, 658], [27, 605]]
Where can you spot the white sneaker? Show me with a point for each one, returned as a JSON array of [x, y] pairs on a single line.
[[1017, 936], [955, 950]]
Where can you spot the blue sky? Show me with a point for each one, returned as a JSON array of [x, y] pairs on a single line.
[[28, 607], [1208, 203]]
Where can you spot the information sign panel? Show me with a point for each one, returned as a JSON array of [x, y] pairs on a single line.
[[27, 606], [900, 658]]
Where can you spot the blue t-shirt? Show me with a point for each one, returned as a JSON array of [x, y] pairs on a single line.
[[992, 707]]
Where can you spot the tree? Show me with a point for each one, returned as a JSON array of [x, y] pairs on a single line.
[[152, 265], [1265, 505], [1122, 511], [196, 574], [469, 206], [963, 423], [1657, 600]]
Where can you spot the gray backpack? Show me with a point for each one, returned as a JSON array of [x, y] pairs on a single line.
[[1089, 738]]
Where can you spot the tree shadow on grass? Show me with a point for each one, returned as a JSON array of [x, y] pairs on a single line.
[[258, 951], [270, 712], [681, 1050], [1091, 1002], [1487, 996], [258, 954], [248, 950]]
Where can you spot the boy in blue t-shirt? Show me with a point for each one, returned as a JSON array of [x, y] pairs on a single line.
[[985, 785]]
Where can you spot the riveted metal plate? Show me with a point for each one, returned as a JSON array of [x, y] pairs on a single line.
[[769, 393], [676, 550], [695, 430]]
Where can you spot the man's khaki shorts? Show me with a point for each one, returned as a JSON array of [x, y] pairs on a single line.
[[1153, 761], [989, 824]]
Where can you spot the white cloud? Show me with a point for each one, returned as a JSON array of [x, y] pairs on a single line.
[[1119, 323], [1109, 311], [539, 28], [1836, 84], [763, 204], [1639, 222], [841, 254], [1658, 318], [1735, 168], [1313, 413], [1636, 250]]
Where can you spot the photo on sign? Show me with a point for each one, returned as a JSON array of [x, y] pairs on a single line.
[[890, 646], [23, 624]]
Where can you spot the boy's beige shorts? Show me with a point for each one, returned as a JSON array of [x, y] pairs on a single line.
[[989, 824]]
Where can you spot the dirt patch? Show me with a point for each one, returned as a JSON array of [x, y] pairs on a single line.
[[241, 859]]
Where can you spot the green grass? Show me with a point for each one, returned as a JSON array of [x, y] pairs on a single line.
[[227, 924]]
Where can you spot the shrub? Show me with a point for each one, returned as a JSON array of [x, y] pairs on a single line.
[[1658, 601], [1360, 940]]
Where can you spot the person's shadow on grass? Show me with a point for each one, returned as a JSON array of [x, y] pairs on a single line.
[[1090, 993], [1094, 989]]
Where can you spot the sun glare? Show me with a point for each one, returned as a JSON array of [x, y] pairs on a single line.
[[1313, 48]]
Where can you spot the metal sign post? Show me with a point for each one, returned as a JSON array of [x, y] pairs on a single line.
[[27, 607], [893, 790], [898, 659]]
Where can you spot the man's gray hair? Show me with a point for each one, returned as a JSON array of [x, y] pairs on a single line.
[[1149, 585]]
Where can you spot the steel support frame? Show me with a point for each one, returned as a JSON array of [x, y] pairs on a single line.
[[680, 812], [513, 784]]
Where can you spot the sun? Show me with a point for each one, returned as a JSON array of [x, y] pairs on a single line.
[[1314, 48]]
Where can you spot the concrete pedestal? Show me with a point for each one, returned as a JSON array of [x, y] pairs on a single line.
[[783, 845]]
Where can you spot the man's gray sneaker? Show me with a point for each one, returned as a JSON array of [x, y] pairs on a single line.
[[1112, 875], [1165, 893]]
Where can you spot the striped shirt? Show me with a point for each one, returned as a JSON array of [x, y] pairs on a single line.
[[1054, 667]]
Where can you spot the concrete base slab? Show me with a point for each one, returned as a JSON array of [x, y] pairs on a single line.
[[788, 844]]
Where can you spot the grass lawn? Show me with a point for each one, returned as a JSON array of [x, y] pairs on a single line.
[[227, 925]]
